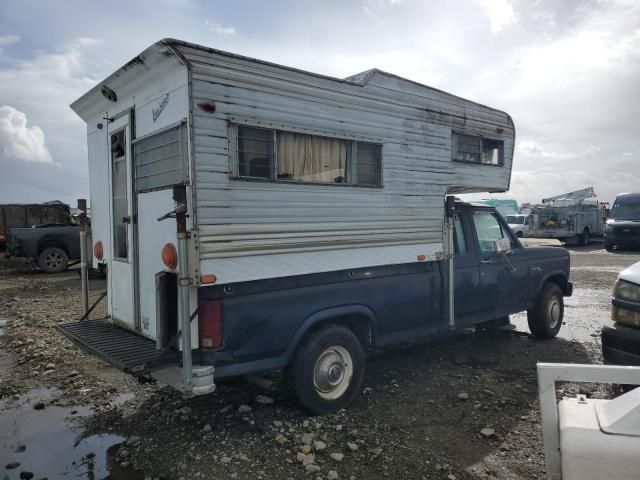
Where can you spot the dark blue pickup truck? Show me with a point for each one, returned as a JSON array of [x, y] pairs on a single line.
[[317, 327]]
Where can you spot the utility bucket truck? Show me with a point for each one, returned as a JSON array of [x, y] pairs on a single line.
[[257, 217], [573, 217]]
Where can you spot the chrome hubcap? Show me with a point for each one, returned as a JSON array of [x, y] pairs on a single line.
[[332, 373], [553, 315]]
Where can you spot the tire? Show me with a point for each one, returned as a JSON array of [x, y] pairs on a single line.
[[53, 260], [584, 238], [609, 248], [328, 369], [520, 234], [545, 319]]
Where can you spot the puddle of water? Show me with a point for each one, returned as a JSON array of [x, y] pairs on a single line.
[[54, 447]]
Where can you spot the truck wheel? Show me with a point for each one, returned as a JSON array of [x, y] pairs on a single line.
[[328, 369], [545, 319], [53, 260], [520, 234], [584, 238], [608, 247]]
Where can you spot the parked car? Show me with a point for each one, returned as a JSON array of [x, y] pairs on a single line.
[[519, 224], [623, 224], [621, 341], [51, 247]]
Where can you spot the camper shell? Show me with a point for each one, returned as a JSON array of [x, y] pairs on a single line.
[[214, 176]]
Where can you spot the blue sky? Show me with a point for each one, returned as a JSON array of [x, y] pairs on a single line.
[[567, 71]]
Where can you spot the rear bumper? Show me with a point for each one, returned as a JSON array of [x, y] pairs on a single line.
[[621, 345]]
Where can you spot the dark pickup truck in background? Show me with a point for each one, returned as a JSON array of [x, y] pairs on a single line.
[[52, 247], [26, 215]]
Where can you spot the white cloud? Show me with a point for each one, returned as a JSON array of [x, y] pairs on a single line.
[[500, 13], [627, 154], [219, 29], [533, 149], [8, 40], [19, 141]]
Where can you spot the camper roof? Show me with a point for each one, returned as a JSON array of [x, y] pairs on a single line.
[[169, 48]]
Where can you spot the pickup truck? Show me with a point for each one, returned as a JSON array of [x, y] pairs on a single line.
[[50, 246], [316, 328], [317, 332], [621, 341]]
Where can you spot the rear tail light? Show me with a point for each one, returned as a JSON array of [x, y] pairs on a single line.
[[210, 323]]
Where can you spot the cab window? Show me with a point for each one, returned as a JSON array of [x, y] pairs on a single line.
[[460, 240], [489, 229]]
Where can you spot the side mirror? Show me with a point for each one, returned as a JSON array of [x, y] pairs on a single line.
[[502, 246]]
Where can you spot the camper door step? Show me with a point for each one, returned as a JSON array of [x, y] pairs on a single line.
[[126, 350]]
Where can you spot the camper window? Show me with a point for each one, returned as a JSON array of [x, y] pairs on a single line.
[[300, 157], [310, 158], [474, 149], [368, 163], [119, 194], [255, 152]]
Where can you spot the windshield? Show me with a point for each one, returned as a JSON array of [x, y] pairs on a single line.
[[626, 211], [515, 219]]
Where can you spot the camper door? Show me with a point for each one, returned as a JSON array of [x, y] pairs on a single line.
[[122, 268]]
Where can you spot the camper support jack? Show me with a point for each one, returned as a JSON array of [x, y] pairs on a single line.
[[183, 289]]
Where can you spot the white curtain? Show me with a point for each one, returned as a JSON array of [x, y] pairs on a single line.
[[309, 158]]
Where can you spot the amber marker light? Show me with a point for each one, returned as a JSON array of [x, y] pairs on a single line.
[[169, 256]]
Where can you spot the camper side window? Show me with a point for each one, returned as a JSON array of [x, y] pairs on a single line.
[[119, 194], [255, 152], [368, 163], [300, 157], [474, 149]]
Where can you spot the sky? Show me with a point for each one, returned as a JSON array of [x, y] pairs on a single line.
[[567, 71]]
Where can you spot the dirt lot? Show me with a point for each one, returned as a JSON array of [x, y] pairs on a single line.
[[65, 414]]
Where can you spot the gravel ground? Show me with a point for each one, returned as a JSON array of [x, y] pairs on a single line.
[[461, 408]]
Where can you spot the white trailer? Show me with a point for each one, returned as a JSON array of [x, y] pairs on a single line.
[[271, 172]]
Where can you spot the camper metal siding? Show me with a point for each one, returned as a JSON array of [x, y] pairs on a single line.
[[413, 123], [251, 229]]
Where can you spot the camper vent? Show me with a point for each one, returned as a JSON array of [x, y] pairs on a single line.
[[160, 159]]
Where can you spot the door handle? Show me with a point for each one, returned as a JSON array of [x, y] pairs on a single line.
[[486, 261], [126, 220]]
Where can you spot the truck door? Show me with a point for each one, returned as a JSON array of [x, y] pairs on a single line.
[[504, 279], [467, 275], [122, 266]]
